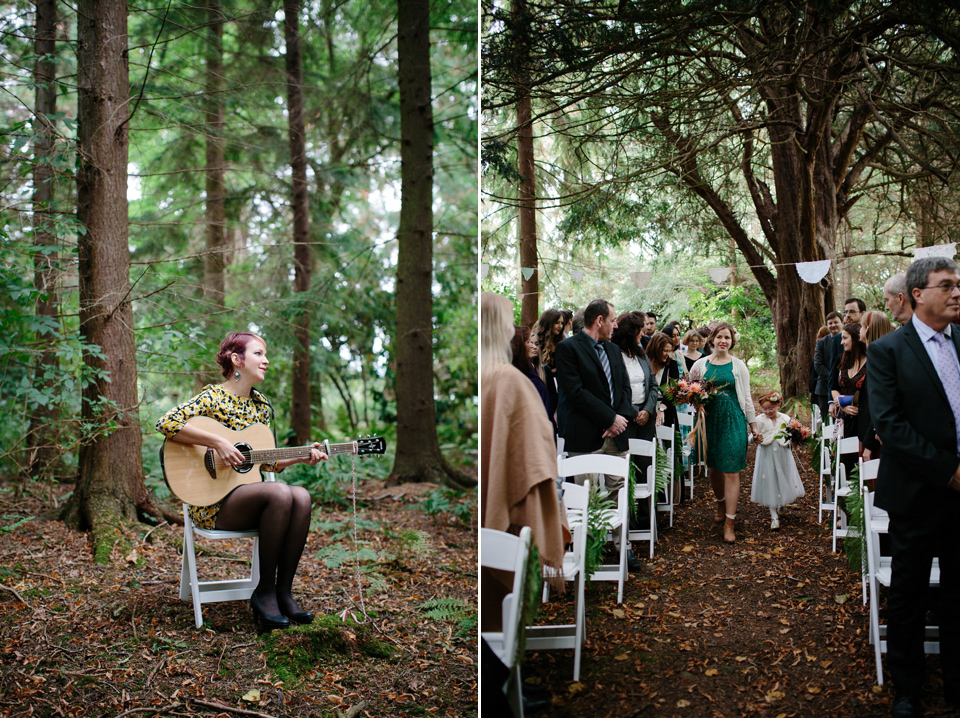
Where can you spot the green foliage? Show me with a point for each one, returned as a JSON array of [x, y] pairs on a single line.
[[854, 543], [18, 521], [449, 502], [746, 309], [598, 502], [451, 610]]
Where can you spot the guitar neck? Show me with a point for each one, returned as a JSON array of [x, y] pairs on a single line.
[[268, 456]]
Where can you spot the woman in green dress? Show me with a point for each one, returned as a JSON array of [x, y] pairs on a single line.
[[729, 414]]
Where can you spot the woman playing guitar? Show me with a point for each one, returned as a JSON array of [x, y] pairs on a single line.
[[279, 512]]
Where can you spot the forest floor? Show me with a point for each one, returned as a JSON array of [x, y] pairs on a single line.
[[78, 639], [772, 625]]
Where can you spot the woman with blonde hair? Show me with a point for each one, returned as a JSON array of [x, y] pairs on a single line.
[[518, 456]]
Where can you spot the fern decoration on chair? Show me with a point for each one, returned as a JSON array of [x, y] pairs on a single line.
[[854, 544], [600, 501], [632, 489], [662, 482]]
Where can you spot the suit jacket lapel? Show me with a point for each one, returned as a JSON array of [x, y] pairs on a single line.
[[913, 341]]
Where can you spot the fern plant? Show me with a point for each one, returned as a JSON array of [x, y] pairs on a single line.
[[854, 544], [451, 610], [600, 501]]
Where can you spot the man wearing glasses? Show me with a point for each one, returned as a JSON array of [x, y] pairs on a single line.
[[913, 380]]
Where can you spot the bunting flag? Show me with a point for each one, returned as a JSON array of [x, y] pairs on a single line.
[[720, 275], [576, 275], [641, 280], [937, 250], [813, 272], [484, 271], [527, 272]]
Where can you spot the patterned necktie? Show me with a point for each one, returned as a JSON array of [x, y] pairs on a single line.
[[950, 377], [605, 362]]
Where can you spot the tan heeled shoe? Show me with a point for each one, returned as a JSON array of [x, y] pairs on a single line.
[[718, 514], [728, 535]]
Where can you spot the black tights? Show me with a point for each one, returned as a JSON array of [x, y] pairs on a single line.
[[281, 514]]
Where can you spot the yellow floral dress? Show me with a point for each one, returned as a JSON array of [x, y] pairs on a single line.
[[233, 411]]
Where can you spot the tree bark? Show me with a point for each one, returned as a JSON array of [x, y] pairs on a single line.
[[418, 455], [302, 255], [42, 433], [215, 259], [110, 487], [527, 191]]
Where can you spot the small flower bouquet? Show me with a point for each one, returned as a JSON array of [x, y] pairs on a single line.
[[696, 392], [794, 432]]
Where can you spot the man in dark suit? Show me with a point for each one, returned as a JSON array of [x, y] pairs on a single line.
[[823, 361], [913, 382], [594, 408]]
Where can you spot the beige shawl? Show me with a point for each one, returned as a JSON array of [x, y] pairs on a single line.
[[518, 465]]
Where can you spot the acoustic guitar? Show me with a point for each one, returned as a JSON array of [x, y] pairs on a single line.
[[197, 475]]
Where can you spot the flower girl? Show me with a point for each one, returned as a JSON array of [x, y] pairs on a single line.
[[776, 481]]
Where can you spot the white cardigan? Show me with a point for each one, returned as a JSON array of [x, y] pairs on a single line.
[[741, 382]]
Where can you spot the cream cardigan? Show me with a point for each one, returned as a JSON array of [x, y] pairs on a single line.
[[741, 382]]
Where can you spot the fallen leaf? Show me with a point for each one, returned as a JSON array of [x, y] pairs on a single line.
[[711, 672], [683, 703], [252, 696]]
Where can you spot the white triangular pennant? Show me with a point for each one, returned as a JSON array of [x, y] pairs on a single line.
[[641, 280], [813, 272], [937, 250], [527, 272], [576, 275], [484, 271], [720, 274]]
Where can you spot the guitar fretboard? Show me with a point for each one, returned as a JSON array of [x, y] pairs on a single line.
[[266, 456]]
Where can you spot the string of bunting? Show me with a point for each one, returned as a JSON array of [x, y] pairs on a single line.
[[809, 272]]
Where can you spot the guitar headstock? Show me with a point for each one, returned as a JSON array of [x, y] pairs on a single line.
[[369, 445]]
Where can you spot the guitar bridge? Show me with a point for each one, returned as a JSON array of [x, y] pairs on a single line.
[[210, 462]]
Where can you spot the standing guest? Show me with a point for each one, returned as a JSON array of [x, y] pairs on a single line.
[[846, 383], [524, 356], [852, 309], [547, 333], [823, 359], [665, 369], [649, 327], [895, 299], [567, 322], [815, 398], [914, 385], [281, 513], [595, 410], [672, 330], [643, 393], [518, 455], [577, 322], [693, 342], [705, 335], [728, 416], [776, 481], [873, 326]]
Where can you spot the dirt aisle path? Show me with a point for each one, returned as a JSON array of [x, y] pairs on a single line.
[[772, 626]]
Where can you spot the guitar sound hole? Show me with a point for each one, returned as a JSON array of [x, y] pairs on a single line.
[[245, 449]]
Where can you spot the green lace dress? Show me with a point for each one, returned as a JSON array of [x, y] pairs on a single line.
[[726, 424]]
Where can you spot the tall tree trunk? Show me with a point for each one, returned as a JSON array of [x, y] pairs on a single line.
[[527, 191], [110, 487], [418, 455], [302, 256], [215, 259], [41, 436]]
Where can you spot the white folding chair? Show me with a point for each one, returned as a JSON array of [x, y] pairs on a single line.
[[575, 499], [879, 573], [506, 552], [201, 592], [666, 437], [645, 488], [845, 447], [685, 423], [826, 502], [617, 519], [560, 443], [814, 419], [868, 472]]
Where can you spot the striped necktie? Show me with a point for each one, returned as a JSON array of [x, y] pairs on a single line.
[[605, 362], [949, 377]]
